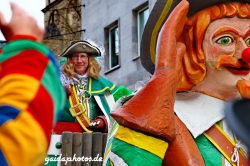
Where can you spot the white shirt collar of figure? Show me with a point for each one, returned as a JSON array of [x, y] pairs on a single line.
[[198, 111], [82, 76], [66, 81]]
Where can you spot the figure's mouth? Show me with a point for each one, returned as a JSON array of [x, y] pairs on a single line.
[[233, 65], [238, 71]]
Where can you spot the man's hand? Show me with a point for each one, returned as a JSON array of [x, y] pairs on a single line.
[[99, 124], [21, 23]]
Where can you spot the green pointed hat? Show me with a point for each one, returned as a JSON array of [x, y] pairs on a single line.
[[158, 16]]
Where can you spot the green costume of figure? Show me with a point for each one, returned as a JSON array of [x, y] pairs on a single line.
[[98, 96], [90, 95]]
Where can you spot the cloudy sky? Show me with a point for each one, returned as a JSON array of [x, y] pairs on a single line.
[[33, 7]]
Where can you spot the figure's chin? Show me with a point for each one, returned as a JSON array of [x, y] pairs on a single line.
[[236, 71], [80, 72]]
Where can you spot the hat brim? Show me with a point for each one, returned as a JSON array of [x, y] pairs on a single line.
[[158, 16], [81, 47]]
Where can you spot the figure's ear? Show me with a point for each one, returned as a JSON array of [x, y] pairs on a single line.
[[185, 40]]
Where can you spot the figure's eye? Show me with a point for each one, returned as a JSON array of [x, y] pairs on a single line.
[[225, 40], [248, 42]]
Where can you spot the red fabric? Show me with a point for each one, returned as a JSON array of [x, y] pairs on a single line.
[[43, 113], [67, 126], [16, 37], [28, 62]]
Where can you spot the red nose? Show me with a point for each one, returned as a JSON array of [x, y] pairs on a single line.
[[246, 55]]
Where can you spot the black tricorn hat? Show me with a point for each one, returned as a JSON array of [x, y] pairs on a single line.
[[158, 16], [81, 46]]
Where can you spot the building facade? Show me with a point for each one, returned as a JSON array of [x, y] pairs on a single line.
[[117, 25], [62, 20]]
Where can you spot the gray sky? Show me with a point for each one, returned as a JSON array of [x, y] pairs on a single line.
[[33, 7]]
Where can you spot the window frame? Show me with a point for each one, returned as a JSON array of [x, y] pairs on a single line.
[[110, 47], [138, 28]]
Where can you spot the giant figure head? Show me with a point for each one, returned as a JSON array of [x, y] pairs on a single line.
[[215, 36]]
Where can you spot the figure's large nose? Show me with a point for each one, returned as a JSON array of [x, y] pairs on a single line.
[[246, 55], [240, 46]]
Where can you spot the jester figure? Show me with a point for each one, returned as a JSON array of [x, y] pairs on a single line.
[[197, 52]]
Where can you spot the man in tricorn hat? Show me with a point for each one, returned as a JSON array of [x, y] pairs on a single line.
[[200, 50], [90, 97], [89, 94]]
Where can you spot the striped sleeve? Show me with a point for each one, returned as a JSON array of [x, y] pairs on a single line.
[[128, 147], [31, 97]]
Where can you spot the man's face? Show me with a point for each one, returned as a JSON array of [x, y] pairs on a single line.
[[80, 62], [223, 43]]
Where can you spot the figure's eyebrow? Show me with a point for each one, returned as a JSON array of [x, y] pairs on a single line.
[[225, 29], [247, 33]]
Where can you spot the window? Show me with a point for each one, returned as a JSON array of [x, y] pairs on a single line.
[[112, 47], [54, 17], [52, 29], [142, 18], [114, 44]]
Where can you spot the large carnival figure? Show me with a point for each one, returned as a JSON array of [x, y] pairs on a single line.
[[194, 51]]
